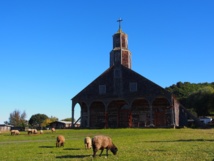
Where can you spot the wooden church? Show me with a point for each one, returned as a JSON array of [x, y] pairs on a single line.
[[120, 97]]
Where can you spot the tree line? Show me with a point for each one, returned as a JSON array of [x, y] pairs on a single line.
[[18, 119], [198, 98]]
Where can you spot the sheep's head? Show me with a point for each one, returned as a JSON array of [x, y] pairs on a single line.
[[114, 149]]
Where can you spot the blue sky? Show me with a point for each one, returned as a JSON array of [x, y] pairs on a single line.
[[50, 50]]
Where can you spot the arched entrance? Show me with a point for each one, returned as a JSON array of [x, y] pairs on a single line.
[[140, 113], [124, 116], [162, 112], [77, 115], [116, 117], [97, 115]]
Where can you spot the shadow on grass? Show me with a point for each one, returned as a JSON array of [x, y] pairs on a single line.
[[46, 146], [72, 156], [71, 149], [183, 140]]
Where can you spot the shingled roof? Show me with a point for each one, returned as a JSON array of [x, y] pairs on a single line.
[[117, 81]]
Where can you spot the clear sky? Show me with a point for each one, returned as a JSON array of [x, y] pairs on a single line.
[[51, 49]]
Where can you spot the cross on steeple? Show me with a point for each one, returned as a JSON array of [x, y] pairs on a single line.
[[120, 20]]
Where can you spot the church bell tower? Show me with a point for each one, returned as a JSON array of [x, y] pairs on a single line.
[[120, 53]]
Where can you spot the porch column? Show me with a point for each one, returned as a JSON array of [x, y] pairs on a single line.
[[151, 116], [172, 116], [106, 117], [72, 115], [89, 112]]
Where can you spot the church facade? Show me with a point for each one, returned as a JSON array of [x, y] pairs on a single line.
[[120, 97]]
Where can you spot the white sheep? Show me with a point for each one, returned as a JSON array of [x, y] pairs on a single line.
[[32, 131], [60, 141], [87, 142], [101, 142], [15, 132], [41, 131], [53, 130], [29, 131]]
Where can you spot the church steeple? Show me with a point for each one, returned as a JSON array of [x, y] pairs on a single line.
[[120, 53]]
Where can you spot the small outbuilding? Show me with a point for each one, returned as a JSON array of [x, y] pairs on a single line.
[[5, 127], [60, 124]]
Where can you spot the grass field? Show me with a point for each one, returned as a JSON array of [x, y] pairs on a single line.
[[133, 144]]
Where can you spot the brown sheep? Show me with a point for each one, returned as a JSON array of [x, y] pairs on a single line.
[[101, 142], [87, 142], [60, 141]]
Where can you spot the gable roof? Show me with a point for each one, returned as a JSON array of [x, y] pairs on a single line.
[[117, 81]]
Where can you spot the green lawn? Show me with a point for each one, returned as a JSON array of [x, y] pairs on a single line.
[[133, 144]]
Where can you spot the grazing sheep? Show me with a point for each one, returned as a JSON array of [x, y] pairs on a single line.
[[60, 141], [53, 129], [87, 142], [101, 142], [41, 131], [15, 132], [29, 131], [32, 131]]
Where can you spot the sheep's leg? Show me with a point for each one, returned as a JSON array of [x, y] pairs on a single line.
[[95, 151], [101, 152], [107, 152], [94, 154]]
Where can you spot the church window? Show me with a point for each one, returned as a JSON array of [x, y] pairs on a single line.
[[117, 73], [133, 87], [102, 89]]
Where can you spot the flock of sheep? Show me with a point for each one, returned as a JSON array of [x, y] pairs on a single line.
[[98, 142], [29, 131]]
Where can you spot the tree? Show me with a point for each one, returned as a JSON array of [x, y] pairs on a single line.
[[6, 122], [47, 121], [17, 118], [182, 91], [202, 101], [52, 118], [68, 119], [37, 120]]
